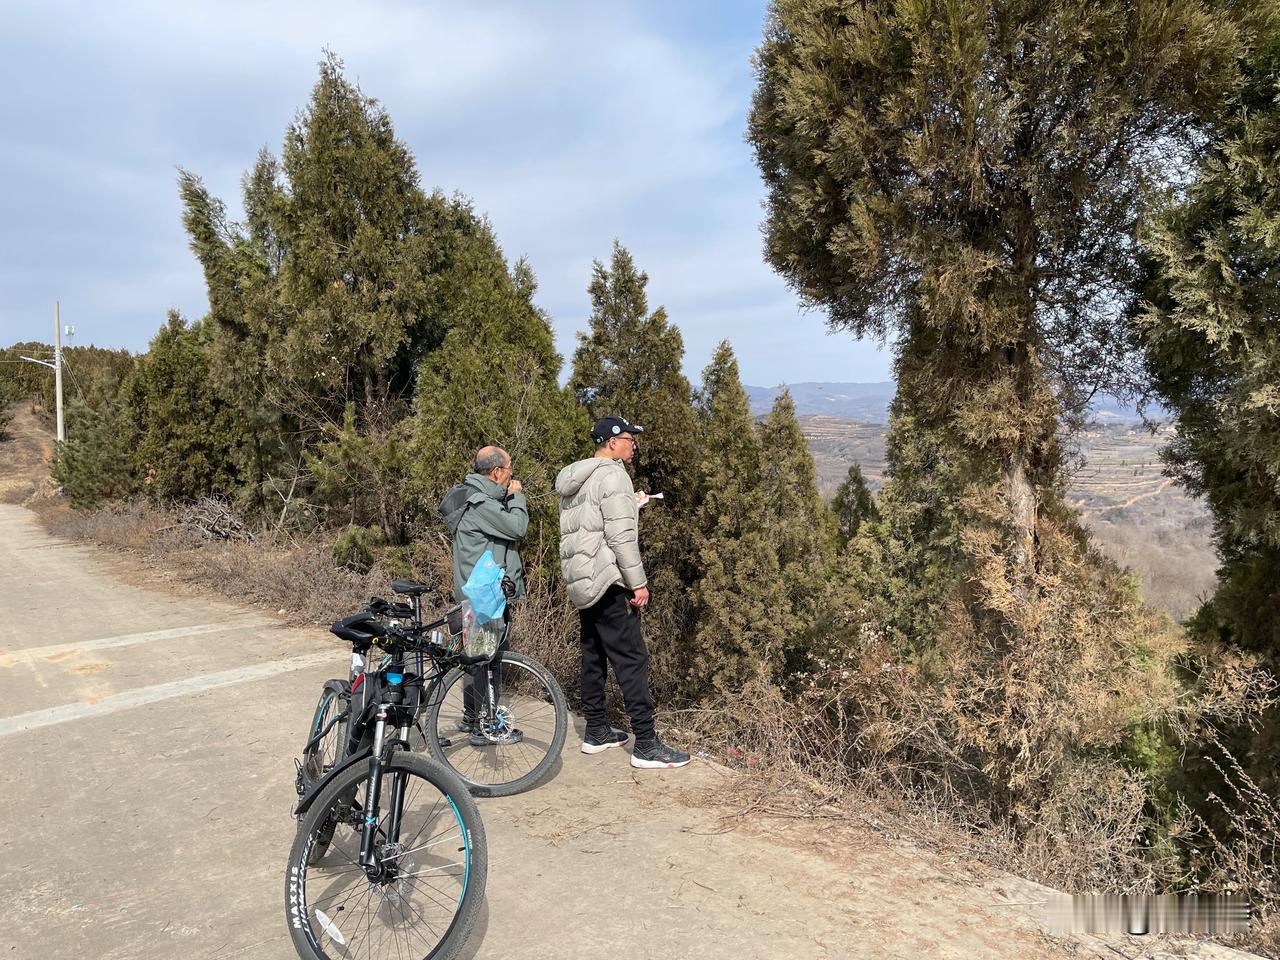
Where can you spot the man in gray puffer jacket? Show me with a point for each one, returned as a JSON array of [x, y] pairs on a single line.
[[605, 578]]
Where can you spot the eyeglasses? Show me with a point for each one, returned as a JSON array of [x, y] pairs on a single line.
[[634, 441]]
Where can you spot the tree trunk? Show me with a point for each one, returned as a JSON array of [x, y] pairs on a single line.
[[1023, 507]]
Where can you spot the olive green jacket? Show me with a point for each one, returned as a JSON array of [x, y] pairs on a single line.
[[482, 516]]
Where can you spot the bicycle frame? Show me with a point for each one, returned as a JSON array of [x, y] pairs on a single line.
[[363, 742]]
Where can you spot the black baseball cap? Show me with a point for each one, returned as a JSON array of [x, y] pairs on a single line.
[[607, 427]]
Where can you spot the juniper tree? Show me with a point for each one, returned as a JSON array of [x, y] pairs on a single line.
[[185, 432], [852, 504], [495, 380], [628, 363], [799, 526], [1211, 333], [966, 176], [336, 284], [97, 463], [742, 608]]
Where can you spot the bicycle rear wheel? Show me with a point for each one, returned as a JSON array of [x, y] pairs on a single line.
[[320, 758], [497, 756], [434, 870]]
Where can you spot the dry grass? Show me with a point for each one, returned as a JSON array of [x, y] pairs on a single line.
[[867, 739]]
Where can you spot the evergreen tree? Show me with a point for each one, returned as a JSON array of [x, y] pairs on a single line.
[[1211, 334], [628, 364], [496, 381], [1212, 338], [97, 463], [337, 284], [969, 175], [799, 526], [742, 608], [366, 476], [185, 433], [852, 504]]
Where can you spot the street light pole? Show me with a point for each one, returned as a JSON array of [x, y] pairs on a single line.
[[57, 368]]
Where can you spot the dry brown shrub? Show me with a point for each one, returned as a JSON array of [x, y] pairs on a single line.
[[1242, 853]]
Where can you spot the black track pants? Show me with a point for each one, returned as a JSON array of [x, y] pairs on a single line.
[[611, 635]]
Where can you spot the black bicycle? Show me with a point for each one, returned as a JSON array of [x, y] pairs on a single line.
[[496, 717], [390, 858]]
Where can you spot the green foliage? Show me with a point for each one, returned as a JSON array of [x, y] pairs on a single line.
[[89, 374], [1210, 341], [495, 381], [185, 434], [8, 397], [798, 526], [1209, 334], [98, 462], [628, 364], [339, 282], [364, 476], [909, 559], [357, 548], [852, 504], [967, 176], [743, 616]]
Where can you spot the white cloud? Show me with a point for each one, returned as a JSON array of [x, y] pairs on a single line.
[[568, 124]]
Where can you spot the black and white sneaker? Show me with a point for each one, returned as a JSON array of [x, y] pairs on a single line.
[[597, 741], [505, 738], [656, 755]]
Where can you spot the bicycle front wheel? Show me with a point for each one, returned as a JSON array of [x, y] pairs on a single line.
[[431, 871], [508, 751]]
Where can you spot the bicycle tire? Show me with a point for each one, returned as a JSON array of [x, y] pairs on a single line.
[[309, 883], [480, 767]]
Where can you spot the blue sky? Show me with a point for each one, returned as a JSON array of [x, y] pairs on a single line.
[[567, 124]]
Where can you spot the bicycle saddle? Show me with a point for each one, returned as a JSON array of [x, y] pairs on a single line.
[[410, 588]]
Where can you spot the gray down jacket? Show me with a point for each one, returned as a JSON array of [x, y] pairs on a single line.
[[598, 530]]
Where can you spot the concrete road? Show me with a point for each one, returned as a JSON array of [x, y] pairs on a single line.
[[146, 740]]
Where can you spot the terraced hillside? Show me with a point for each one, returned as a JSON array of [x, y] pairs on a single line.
[[1141, 518]]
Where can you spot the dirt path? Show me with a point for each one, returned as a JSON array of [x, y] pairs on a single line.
[[146, 741], [25, 450]]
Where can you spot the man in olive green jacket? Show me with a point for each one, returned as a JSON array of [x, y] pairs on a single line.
[[605, 578], [487, 511]]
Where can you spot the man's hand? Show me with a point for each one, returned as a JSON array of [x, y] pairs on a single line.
[[515, 486], [640, 598]]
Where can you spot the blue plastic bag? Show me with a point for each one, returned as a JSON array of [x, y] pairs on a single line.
[[484, 589]]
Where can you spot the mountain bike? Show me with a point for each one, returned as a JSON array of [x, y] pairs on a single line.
[[390, 858], [498, 718]]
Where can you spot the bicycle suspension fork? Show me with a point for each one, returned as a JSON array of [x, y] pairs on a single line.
[[378, 763], [369, 828]]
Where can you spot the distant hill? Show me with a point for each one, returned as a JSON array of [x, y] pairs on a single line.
[[861, 402], [869, 402]]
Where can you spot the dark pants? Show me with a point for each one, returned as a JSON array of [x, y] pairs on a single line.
[[475, 698], [611, 635]]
